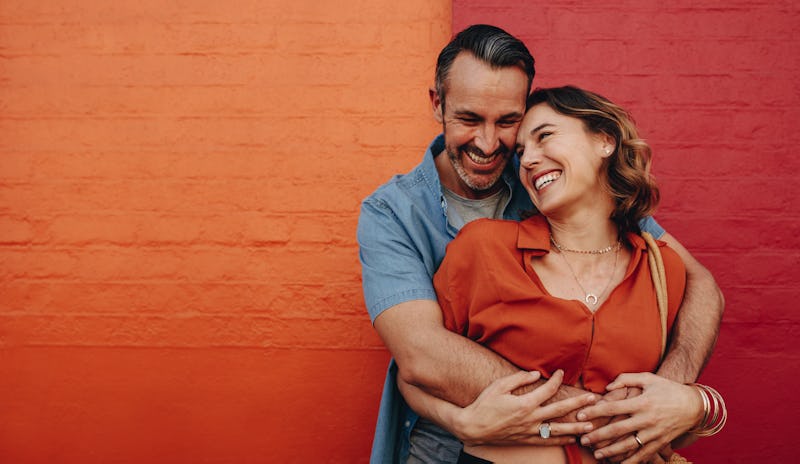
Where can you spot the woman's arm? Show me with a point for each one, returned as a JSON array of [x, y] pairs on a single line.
[[498, 416]]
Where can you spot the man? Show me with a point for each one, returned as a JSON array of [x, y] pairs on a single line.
[[483, 77]]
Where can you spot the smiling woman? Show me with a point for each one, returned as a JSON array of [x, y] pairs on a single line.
[[579, 132]]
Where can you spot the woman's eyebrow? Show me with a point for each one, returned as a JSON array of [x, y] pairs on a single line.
[[540, 127]]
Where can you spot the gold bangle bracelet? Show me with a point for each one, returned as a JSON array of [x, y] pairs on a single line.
[[706, 408], [711, 425], [718, 425]]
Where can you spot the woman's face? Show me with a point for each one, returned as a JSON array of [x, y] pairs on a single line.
[[560, 161]]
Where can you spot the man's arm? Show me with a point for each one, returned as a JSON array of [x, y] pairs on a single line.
[[398, 289], [697, 325], [434, 359], [430, 357], [440, 362]]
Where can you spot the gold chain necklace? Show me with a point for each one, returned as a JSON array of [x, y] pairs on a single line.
[[601, 251], [590, 298]]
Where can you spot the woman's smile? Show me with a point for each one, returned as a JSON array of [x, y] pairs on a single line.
[[543, 180]]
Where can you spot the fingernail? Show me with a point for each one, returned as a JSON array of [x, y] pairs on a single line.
[[584, 441], [598, 455], [588, 428], [581, 416]]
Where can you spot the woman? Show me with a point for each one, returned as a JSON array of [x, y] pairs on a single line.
[[570, 289]]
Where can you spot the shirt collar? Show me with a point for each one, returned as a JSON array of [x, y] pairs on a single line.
[[534, 234], [428, 166]]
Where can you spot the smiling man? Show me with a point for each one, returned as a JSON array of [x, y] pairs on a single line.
[[480, 125], [483, 77]]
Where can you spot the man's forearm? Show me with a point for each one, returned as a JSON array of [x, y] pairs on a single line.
[[697, 325], [694, 333], [432, 358], [437, 410], [461, 369], [454, 368], [442, 363]]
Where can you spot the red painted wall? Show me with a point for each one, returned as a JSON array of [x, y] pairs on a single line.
[[714, 88], [179, 191]]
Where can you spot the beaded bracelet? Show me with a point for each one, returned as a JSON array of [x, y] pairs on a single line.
[[715, 414]]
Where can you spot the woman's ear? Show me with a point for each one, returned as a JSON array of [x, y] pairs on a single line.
[[607, 145], [436, 104]]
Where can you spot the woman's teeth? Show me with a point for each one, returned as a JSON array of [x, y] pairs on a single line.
[[546, 179]]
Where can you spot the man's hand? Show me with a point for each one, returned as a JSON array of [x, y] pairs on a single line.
[[664, 411], [614, 395], [498, 416]]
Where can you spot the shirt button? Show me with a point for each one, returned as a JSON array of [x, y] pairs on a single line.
[[408, 424]]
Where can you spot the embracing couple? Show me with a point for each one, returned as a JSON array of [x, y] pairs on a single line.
[[554, 329]]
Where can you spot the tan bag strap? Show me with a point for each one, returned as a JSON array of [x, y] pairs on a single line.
[[659, 283]]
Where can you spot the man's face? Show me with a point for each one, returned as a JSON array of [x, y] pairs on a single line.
[[481, 115]]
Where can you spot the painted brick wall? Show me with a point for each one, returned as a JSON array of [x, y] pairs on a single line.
[[179, 190], [713, 85], [179, 187]]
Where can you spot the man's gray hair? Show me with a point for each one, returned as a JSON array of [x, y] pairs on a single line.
[[490, 44]]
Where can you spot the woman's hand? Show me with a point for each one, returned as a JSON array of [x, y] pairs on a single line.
[[664, 411], [616, 395], [499, 416]]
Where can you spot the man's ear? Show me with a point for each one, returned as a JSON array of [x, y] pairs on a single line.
[[436, 105]]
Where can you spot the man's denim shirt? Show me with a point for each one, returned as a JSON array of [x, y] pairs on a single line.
[[403, 231]]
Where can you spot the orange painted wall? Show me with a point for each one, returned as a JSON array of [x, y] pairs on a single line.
[[179, 188]]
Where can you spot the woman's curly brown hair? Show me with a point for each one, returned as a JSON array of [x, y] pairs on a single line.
[[630, 182]]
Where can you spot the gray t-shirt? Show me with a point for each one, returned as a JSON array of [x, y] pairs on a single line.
[[469, 210]]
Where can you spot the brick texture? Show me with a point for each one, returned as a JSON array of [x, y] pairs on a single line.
[[179, 190], [713, 86]]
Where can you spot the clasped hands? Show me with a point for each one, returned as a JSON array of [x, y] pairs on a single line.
[[636, 405]]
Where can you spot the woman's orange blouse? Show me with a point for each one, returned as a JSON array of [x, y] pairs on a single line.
[[489, 292]]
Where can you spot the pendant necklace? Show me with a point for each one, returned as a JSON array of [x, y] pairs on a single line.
[[590, 298]]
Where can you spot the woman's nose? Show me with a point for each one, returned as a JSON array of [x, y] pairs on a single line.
[[530, 156]]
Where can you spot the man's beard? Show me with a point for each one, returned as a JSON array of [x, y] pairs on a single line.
[[477, 185]]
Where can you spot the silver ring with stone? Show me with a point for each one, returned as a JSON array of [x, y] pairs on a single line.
[[544, 430], [638, 440]]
